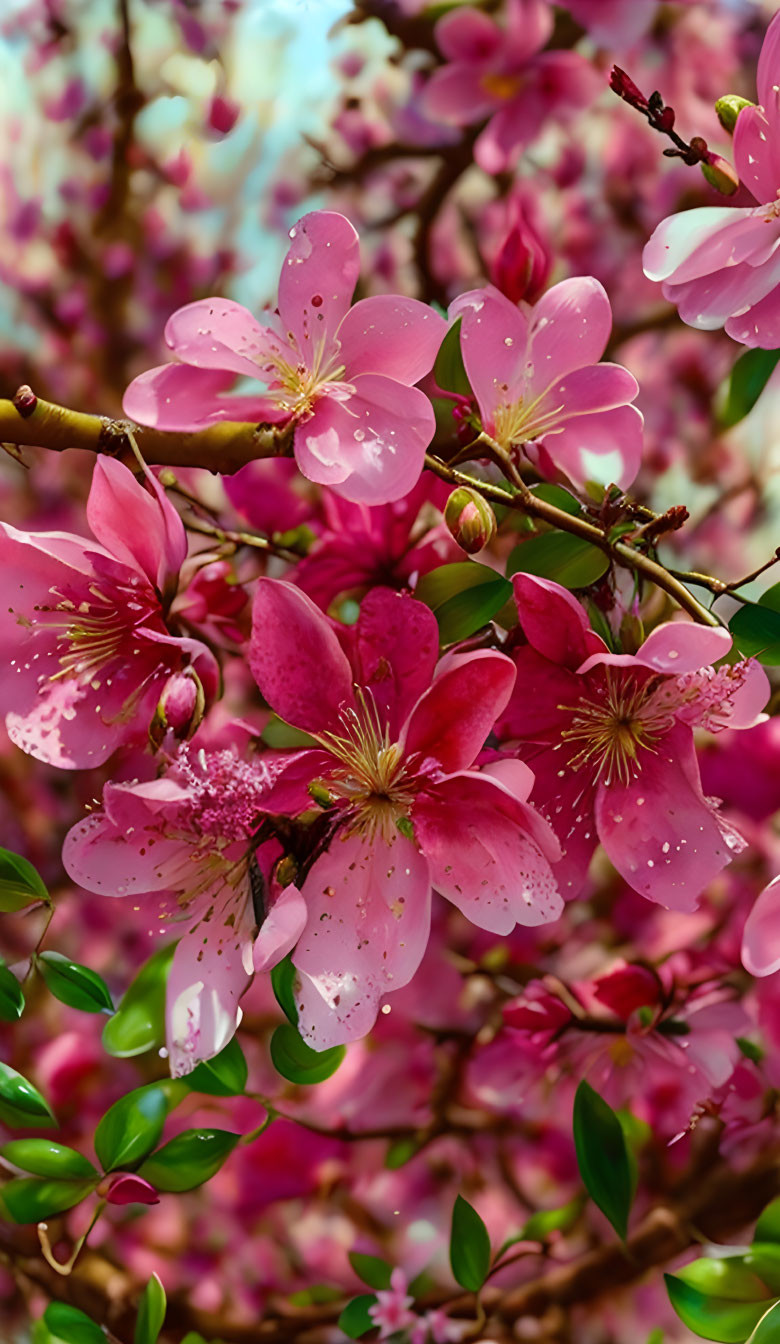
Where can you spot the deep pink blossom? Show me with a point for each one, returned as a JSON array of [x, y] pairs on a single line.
[[86, 646], [344, 376], [610, 741], [539, 385], [721, 264], [396, 740], [761, 937]]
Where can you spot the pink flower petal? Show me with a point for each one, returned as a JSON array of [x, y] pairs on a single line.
[[587, 391], [570, 327], [140, 528], [317, 282], [220, 334], [768, 73], [494, 337], [761, 936], [296, 658], [455, 95], [128, 1188], [553, 620], [181, 398], [280, 930], [696, 242], [391, 335], [760, 325], [395, 652], [683, 646], [605, 447], [467, 34], [756, 156], [102, 856], [452, 720]]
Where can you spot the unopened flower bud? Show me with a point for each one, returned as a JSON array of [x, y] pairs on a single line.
[[128, 1188], [180, 707], [720, 174], [522, 265], [625, 88], [223, 114], [470, 519], [728, 109]]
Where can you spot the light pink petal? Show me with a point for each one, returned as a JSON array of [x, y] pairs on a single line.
[[369, 918], [296, 658], [696, 242], [482, 858], [756, 156], [104, 859], [684, 646], [565, 797], [659, 831], [181, 398], [570, 327], [605, 447], [467, 34], [760, 325], [395, 652], [317, 282], [708, 302], [320, 443], [553, 620], [751, 698], [456, 95], [493, 336], [613, 23], [508, 133], [280, 930], [586, 391], [140, 528], [391, 335], [529, 24], [220, 334], [452, 720], [761, 936], [768, 74], [513, 775]]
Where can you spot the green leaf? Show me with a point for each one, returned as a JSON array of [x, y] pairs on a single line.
[[279, 735], [469, 1246], [756, 631], [373, 1271], [771, 598], [130, 1129], [28, 1199], [545, 1221], [768, 1225], [189, 1160], [602, 1157], [283, 985], [71, 1325], [763, 1259], [449, 369], [768, 1329], [43, 1157], [223, 1076], [11, 996], [139, 1022], [463, 597], [354, 1319], [21, 1104], [747, 381], [297, 1062], [76, 985], [151, 1313], [726, 1277], [316, 1294], [555, 494], [400, 1152], [715, 1318], [568, 560], [20, 884]]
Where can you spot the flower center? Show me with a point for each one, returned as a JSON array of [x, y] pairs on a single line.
[[502, 86], [372, 783], [91, 632], [517, 422], [609, 731]]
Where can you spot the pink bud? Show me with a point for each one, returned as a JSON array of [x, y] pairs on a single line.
[[536, 1010], [223, 114], [522, 266], [470, 519], [180, 707], [127, 1188], [626, 989], [624, 86]]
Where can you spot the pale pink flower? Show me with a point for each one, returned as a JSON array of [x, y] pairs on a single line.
[[613, 23], [721, 264], [391, 1311], [761, 936], [396, 740], [344, 376], [610, 740], [188, 836], [539, 385], [86, 646]]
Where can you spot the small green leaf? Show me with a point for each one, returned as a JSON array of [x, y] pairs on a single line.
[[469, 1246], [763, 1259], [76, 985], [189, 1160], [71, 1325], [28, 1199], [545, 1221], [756, 631], [768, 1329], [354, 1319], [463, 596], [315, 1295], [43, 1157], [281, 735], [449, 369], [21, 1104], [570, 561], [555, 494], [726, 1277], [771, 598], [768, 1225], [602, 1157], [297, 1062], [223, 1076], [131, 1127], [373, 1271], [283, 985], [400, 1152], [721, 1319], [151, 1313], [747, 380], [139, 1022], [11, 996], [20, 884]]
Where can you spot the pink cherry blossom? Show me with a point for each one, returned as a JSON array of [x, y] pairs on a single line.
[[539, 385], [502, 73], [344, 376], [761, 936], [396, 740], [87, 648], [391, 1311], [187, 836], [721, 264], [610, 740]]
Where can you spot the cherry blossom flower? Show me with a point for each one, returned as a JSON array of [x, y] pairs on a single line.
[[610, 741], [761, 936], [393, 766], [188, 836], [720, 264], [343, 376], [539, 385], [501, 73], [391, 1311], [87, 648]]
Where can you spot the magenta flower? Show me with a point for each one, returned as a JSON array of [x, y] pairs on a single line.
[[393, 767], [187, 837], [343, 376], [501, 73], [87, 650], [610, 740], [721, 265], [538, 383]]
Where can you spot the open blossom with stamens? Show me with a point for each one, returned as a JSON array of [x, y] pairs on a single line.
[[187, 837], [344, 376], [539, 385], [396, 740], [610, 740], [719, 264], [86, 649]]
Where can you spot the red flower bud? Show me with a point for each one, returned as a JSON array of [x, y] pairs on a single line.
[[470, 519], [522, 265], [127, 1188]]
